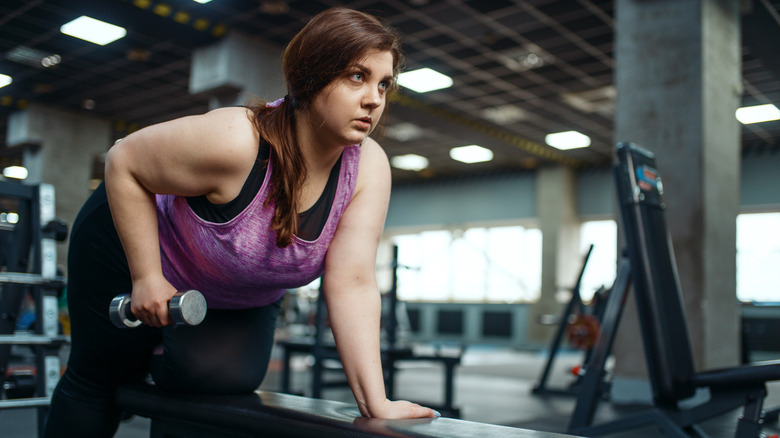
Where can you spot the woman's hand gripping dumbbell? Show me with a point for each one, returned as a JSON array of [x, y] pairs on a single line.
[[187, 307]]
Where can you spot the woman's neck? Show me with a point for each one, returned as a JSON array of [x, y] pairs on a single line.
[[318, 154]]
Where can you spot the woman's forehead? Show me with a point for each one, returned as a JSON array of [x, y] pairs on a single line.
[[377, 59]]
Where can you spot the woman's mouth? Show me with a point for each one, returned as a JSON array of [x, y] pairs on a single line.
[[364, 123]]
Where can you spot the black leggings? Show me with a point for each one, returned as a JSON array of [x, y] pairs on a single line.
[[227, 353]]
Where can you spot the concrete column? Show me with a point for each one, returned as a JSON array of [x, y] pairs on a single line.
[[59, 149], [556, 206], [678, 75], [236, 69]]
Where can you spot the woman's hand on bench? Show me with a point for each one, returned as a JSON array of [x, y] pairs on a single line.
[[394, 410]]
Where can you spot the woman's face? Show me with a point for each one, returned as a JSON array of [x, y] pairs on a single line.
[[349, 107]]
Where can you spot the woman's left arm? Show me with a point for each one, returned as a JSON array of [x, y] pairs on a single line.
[[351, 292]]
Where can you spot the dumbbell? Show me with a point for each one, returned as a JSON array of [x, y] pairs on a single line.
[[186, 307], [20, 384]]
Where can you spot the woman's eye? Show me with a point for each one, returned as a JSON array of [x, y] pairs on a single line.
[[357, 77], [384, 85]]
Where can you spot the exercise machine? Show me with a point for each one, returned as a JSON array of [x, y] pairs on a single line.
[[652, 271], [580, 325]]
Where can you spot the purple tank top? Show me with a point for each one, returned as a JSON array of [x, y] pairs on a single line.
[[237, 264]]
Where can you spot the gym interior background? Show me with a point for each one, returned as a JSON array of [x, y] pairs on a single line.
[[488, 250]]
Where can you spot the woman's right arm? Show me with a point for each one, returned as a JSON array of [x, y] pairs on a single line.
[[208, 154], [133, 210]]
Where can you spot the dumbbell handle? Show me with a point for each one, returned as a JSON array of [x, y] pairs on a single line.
[[185, 307]]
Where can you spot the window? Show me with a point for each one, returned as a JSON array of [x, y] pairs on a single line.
[[758, 257], [602, 264], [498, 264]]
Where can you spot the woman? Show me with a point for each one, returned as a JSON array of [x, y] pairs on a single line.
[[241, 204]]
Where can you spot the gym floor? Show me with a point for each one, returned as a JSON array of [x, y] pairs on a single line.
[[492, 385]]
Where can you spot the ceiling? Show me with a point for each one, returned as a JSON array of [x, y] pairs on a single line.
[[521, 68]]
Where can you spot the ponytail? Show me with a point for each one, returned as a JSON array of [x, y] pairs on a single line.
[[276, 124]]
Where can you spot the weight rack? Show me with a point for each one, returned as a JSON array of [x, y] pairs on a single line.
[[28, 265]]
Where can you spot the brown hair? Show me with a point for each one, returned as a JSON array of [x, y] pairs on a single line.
[[322, 51]]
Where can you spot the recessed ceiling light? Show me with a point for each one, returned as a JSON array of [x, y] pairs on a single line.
[[504, 114], [403, 131], [527, 57], [5, 80], [471, 154], [758, 114], [15, 172], [274, 7], [424, 80], [138, 55], [51, 60], [567, 140], [409, 162], [92, 30], [10, 218], [599, 100], [33, 57]]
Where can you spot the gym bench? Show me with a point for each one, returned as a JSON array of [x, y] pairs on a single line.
[[269, 414]]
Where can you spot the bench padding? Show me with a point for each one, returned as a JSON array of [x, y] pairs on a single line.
[[270, 414]]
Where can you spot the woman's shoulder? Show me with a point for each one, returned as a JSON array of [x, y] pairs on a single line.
[[228, 141], [233, 125], [230, 116], [372, 152], [374, 165]]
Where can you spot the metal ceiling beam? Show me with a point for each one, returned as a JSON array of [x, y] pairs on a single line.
[[476, 128]]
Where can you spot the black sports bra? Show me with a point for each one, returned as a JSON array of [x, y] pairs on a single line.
[[310, 222]]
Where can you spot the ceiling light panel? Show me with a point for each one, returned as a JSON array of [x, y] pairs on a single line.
[[567, 140], [424, 80], [403, 131], [15, 172], [93, 30], [409, 162], [758, 114], [471, 154], [504, 114]]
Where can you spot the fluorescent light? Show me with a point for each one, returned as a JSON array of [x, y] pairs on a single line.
[[567, 140], [471, 154], [404, 131], [758, 114], [5, 80], [16, 172], [409, 162], [92, 30], [201, 1], [10, 218], [51, 60], [33, 57], [504, 114], [424, 80]]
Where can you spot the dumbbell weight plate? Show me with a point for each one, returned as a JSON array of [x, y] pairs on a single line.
[[119, 312], [188, 307], [19, 385]]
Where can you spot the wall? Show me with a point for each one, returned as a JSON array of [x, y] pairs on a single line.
[[466, 323], [510, 197]]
